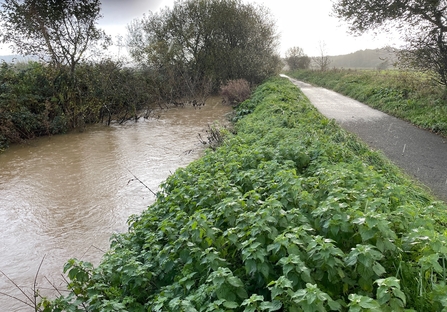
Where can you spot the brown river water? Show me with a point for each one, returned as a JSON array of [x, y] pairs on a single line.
[[63, 196]]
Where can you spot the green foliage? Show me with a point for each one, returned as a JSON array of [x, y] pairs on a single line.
[[206, 43], [26, 103], [411, 96], [290, 214], [60, 32], [40, 100]]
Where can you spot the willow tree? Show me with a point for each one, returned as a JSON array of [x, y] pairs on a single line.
[[61, 32], [200, 42], [421, 23]]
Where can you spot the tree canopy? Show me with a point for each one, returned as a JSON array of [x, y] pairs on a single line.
[[297, 59], [207, 42], [422, 24], [58, 31]]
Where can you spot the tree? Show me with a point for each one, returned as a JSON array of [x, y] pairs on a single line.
[[58, 31], [296, 59], [206, 42], [421, 23], [323, 61]]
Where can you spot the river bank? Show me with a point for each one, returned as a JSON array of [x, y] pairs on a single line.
[[290, 210], [64, 196]]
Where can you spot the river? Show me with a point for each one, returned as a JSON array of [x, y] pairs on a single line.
[[63, 196]]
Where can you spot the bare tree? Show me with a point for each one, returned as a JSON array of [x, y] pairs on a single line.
[[322, 61]]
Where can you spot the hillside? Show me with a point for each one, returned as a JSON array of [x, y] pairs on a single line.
[[16, 58], [366, 59]]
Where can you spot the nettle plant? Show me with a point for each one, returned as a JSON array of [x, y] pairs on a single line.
[[290, 214]]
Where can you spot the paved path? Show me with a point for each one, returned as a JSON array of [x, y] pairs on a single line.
[[421, 154]]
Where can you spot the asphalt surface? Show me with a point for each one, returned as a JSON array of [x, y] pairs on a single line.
[[419, 153]]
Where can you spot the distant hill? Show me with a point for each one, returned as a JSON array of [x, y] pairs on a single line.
[[365, 59], [17, 58]]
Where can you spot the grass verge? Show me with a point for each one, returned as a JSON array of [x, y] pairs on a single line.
[[290, 214], [406, 95]]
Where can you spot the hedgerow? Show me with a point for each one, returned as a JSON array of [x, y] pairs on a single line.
[[289, 214]]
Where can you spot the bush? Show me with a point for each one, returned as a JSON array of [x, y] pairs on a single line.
[[235, 91], [40, 100]]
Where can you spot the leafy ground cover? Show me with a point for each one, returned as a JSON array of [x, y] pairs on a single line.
[[411, 96], [290, 214]]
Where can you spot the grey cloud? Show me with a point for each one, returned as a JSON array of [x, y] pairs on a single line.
[[123, 11]]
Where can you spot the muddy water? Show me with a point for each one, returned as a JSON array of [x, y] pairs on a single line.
[[63, 197]]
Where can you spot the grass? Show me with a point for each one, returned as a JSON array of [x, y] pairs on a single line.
[[410, 96]]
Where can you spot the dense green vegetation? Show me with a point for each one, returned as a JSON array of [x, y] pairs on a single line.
[[411, 96], [292, 213], [36, 99]]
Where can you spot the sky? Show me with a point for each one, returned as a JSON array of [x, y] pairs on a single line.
[[307, 24]]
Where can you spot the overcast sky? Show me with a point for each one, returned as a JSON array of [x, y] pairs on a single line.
[[302, 23]]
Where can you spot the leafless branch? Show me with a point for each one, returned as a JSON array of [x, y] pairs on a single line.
[[135, 178], [28, 303]]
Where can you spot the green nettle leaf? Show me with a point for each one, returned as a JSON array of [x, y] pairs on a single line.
[[251, 304], [250, 266], [378, 269], [293, 263], [389, 293], [264, 269], [365, 259], [225, 292], [431, 262], [230, 304], [241, 293], [362, 303], [334, 305], [313, 299], [275, 305], [235, 281], [280, 286], [440, 294]]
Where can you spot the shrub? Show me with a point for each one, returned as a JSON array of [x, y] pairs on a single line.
[[235, 91]]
